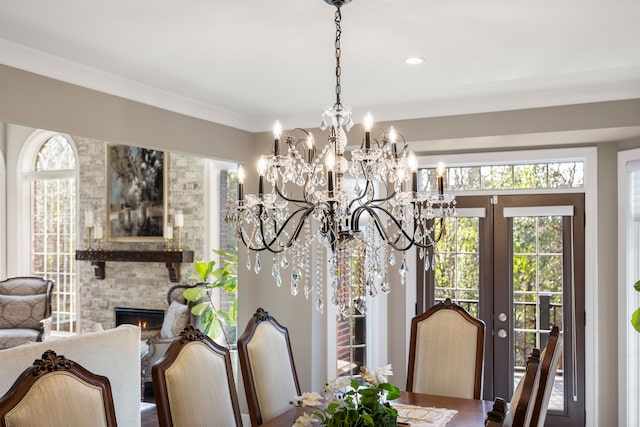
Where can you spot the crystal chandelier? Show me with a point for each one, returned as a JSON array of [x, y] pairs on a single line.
[[363, 210]]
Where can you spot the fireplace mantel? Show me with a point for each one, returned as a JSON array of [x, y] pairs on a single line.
[[172, 259]]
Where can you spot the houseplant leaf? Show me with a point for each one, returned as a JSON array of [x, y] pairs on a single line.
[[204, 268], [200, 310], [637, 286], [194, 294], [635, 319]]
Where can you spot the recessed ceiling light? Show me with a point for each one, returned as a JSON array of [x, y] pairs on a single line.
[[414, 60]]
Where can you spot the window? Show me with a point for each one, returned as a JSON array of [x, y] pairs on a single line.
[[547, 175], [53, 226], [628, 274], [222, 188]]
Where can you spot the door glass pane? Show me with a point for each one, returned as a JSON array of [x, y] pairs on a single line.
[[457, 264], [537, 291]]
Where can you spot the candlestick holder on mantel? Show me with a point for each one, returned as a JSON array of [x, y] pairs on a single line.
[[179, 223], [88, 222], [179, 237], [98, 236], [89, 230], [168, 236]]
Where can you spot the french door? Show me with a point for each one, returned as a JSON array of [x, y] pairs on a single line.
[[517, 262]]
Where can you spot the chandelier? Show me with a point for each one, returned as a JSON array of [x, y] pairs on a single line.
[[363, 211]]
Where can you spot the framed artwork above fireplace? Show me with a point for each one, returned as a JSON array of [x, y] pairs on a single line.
[[137, 189]]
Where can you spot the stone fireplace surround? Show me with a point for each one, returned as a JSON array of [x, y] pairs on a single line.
[[134, 284]]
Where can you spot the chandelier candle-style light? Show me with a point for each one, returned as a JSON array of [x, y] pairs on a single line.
[[363, 210]]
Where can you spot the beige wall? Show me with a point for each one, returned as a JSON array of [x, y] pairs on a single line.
[[36, 101]]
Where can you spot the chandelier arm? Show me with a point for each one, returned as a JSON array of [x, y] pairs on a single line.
[[357, 199], [364, 192], [298, 229], [378, 223], [264, 242], [441, 234], [268, 246], [292, 141], [371, 209], [288, 199], [247, 243], [369, 183]]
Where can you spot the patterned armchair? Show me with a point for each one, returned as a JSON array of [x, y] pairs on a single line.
[[25, 310], [176, 318]]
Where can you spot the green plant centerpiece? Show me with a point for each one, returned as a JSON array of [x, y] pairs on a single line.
[[352, 402], [216, 321], [635, 317]]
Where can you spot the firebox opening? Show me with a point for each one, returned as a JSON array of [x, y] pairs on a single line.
[[143, 317]]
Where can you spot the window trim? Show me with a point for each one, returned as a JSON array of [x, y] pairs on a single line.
[[628, 300], [25, 171]]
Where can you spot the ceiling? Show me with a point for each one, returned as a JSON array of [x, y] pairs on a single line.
[[245, 63]]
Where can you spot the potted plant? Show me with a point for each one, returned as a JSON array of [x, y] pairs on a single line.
[[215, 321], [353, 402]]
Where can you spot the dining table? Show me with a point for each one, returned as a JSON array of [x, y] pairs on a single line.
[[470, 412]]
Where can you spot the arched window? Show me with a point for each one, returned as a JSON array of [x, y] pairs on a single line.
[[53, 226]]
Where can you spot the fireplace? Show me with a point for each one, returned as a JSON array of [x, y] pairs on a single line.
[[143, 317]]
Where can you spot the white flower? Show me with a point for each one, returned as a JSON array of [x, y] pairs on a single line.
[[308, 399], [382, 373], [376, 377], [340, 384], [305, 420]]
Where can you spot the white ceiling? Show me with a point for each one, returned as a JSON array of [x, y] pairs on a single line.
[[245, 63]]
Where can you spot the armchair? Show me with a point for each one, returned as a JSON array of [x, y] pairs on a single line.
[[176, 318], [25, 310]]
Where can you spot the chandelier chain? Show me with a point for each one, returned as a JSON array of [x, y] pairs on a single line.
[[337, 20]]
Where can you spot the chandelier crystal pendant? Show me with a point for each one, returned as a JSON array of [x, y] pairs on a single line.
[[320, 196]]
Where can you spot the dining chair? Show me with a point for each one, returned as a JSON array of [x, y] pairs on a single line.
[[268, 371], [193, 383], [446, 352], [58, 392], [498, 415], [521, 405], [550, 359]]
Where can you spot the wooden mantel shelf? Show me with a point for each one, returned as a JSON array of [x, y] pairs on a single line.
[[172, 259]]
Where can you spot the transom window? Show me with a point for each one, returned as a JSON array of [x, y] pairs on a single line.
[[509, 176]]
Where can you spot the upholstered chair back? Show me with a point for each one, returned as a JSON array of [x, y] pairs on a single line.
[[57, 392], [549, 360], [25, 310], [268, 370], [446, 352], [193, 383]]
